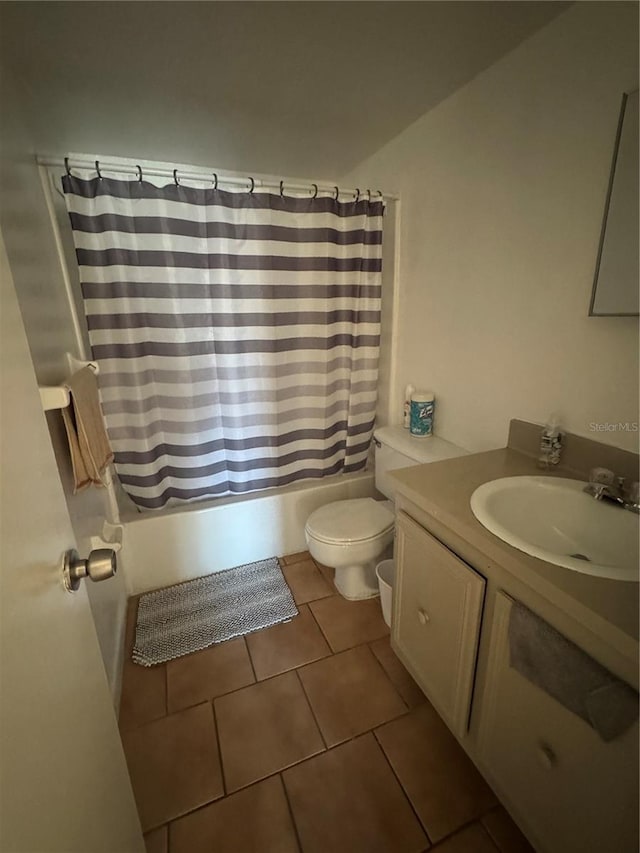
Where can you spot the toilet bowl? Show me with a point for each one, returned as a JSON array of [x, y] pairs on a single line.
[[350, 536]]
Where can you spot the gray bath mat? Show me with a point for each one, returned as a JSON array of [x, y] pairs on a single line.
[[190, 616]]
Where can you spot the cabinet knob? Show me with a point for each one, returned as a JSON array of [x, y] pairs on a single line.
[[546, 756], [423, 616]]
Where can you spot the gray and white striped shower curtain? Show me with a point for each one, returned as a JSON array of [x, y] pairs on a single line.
[[237, 333]]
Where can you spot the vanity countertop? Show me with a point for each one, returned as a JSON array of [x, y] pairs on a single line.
[[442, 490]]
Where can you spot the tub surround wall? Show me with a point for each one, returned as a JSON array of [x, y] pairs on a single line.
[[503, 188], [172, 546], [26, 225], [387, 411]]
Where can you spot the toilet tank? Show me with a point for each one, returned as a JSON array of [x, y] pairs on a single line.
[[396, 448]]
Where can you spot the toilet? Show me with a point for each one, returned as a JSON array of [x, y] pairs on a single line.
[[351, 535]]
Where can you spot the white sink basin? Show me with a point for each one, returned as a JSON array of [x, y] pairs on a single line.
[[552, 518]]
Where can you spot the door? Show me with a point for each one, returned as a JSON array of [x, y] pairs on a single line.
[[436, 624], [64, 786], [568, 788]]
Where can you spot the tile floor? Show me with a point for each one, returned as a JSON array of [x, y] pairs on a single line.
[[308, 736]]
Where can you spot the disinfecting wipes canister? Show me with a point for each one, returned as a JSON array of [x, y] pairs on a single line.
[[422, 406]]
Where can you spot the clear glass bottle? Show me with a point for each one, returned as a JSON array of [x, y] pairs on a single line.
[[550, 444]]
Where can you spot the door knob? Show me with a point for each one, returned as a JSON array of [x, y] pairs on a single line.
[[99, 565]]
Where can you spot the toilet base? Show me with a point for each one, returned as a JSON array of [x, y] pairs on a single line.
[[357, 583]]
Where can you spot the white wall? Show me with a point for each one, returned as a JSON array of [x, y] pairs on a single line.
[[503, 189], [299, 87], [43, 303], [29, 240]]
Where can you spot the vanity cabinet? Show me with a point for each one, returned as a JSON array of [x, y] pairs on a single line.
[[569, 791], [575, 792], [436, 620]]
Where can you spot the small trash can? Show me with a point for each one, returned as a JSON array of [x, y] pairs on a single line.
[[386, 573]]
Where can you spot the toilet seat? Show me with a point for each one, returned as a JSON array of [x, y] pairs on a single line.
[[350, 521]]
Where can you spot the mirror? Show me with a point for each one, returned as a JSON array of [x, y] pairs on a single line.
[[616, 283]]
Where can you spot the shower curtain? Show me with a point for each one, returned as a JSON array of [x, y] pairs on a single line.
[[237, 332]]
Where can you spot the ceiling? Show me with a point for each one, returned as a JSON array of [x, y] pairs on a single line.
[[299, 88]]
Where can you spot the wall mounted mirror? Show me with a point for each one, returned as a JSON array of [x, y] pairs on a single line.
[[616, 283]]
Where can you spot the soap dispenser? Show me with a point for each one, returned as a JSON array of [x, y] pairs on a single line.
[[550, 443]]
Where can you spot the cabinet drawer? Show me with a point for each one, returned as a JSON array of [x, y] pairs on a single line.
[[436, 624], [570, 790]]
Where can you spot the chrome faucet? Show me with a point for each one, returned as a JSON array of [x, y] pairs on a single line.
[[604, 485]]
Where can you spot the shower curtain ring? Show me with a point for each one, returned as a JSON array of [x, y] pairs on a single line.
[[175, 177], [139, 174], [281, 189], [357, 194], [66, 166], [337, 193], [253, 185], [315, 190], [380, 194], [98, 169], [215, 180], [368, 195]]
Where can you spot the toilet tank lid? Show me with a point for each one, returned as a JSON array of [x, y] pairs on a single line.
[[421, 449], [352, 520]]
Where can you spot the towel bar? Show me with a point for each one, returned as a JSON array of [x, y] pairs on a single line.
[[54, 397], [57, 396]]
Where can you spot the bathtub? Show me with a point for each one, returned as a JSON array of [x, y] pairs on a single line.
[[182, 543]]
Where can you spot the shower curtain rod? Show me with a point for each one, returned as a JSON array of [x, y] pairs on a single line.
[[209, 175]]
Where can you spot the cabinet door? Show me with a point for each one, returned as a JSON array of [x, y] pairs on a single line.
[[571, 791], [437, 612]]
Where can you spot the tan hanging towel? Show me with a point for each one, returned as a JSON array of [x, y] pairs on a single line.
[[88, 442]]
